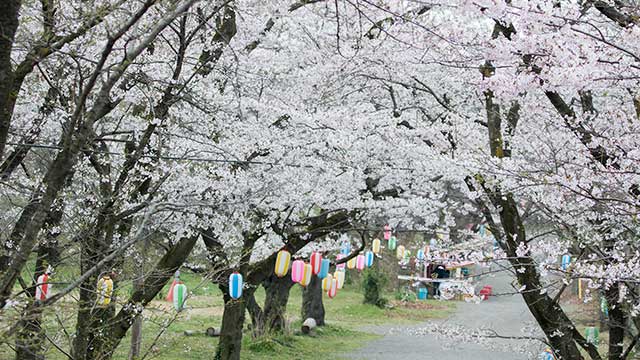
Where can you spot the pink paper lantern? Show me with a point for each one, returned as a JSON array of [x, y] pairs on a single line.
[[360, 262], [340, 257], [316, 262], [297, 271], [333, 290], [387, 232]]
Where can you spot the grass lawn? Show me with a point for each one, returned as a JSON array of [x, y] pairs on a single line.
[[345, 316]]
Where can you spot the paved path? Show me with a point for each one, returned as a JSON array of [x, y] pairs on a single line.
[[507, 315]]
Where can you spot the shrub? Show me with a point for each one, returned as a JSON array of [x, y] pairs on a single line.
[[373, 281]]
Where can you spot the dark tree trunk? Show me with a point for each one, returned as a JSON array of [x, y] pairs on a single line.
[[256, 313], [100, 340], [9, 13], [230, 341], [312, 306], [29, 344], [29, 338], [616, 324], [153, 283], [275, 304]]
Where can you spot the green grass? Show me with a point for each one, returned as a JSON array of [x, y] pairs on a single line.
[[345, 316]]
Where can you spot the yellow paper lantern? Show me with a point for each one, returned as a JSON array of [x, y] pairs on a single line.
[[400, 252], [282, 263], [306, 275], [326, 282], [339, 276], [351, 264], [375, 246]]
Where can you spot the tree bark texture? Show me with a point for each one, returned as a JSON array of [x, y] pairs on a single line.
[[312, 306], [9, 13], [230, 341], [275, 303]]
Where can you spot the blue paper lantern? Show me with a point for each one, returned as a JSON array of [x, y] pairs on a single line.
[[235, 285], [566, 260], [324, 268], [420, 255], [346, 248], [368, 258]]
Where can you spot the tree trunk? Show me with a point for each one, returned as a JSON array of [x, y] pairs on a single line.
[[553, 321], [312, 306], [256, 313], [29, 338], [153, 283], [8, 26], [136, 328], [29, 344], [231, 332], [275, 304], [616, 323]]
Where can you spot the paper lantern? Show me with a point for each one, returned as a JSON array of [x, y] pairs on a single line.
[[176, 280], [400, 252], [179, 296], [420, 255], [306, 275], [334, 289], [338, 258], [604, 306], [360, 262], [339, 276], [345, 249], [407, 254], [324, 268], [433, 244], [391, 244], [297, 270], [326, 282], [42, 290], [235, 285], [440, 234], [482, 231], [316, 262], [104, 290], [351, 264], [547, 354], [375, 246], [282, 263], [368, 258], [566, 260], [591, 334], [387, 232]]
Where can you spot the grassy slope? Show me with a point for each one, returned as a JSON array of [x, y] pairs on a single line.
[[345, 314]]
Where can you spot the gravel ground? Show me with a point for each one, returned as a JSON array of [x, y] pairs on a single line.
[[507, 315]]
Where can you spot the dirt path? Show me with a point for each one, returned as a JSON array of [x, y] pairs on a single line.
[[507, 315]]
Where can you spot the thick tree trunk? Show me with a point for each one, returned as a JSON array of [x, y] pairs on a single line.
[[9, 13], [256, 314], [616, 324], [29, 344], [153, 283], [275, 304], [231, 332], [312, 306]]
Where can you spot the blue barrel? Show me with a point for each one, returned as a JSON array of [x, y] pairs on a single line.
[[423, 293]]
